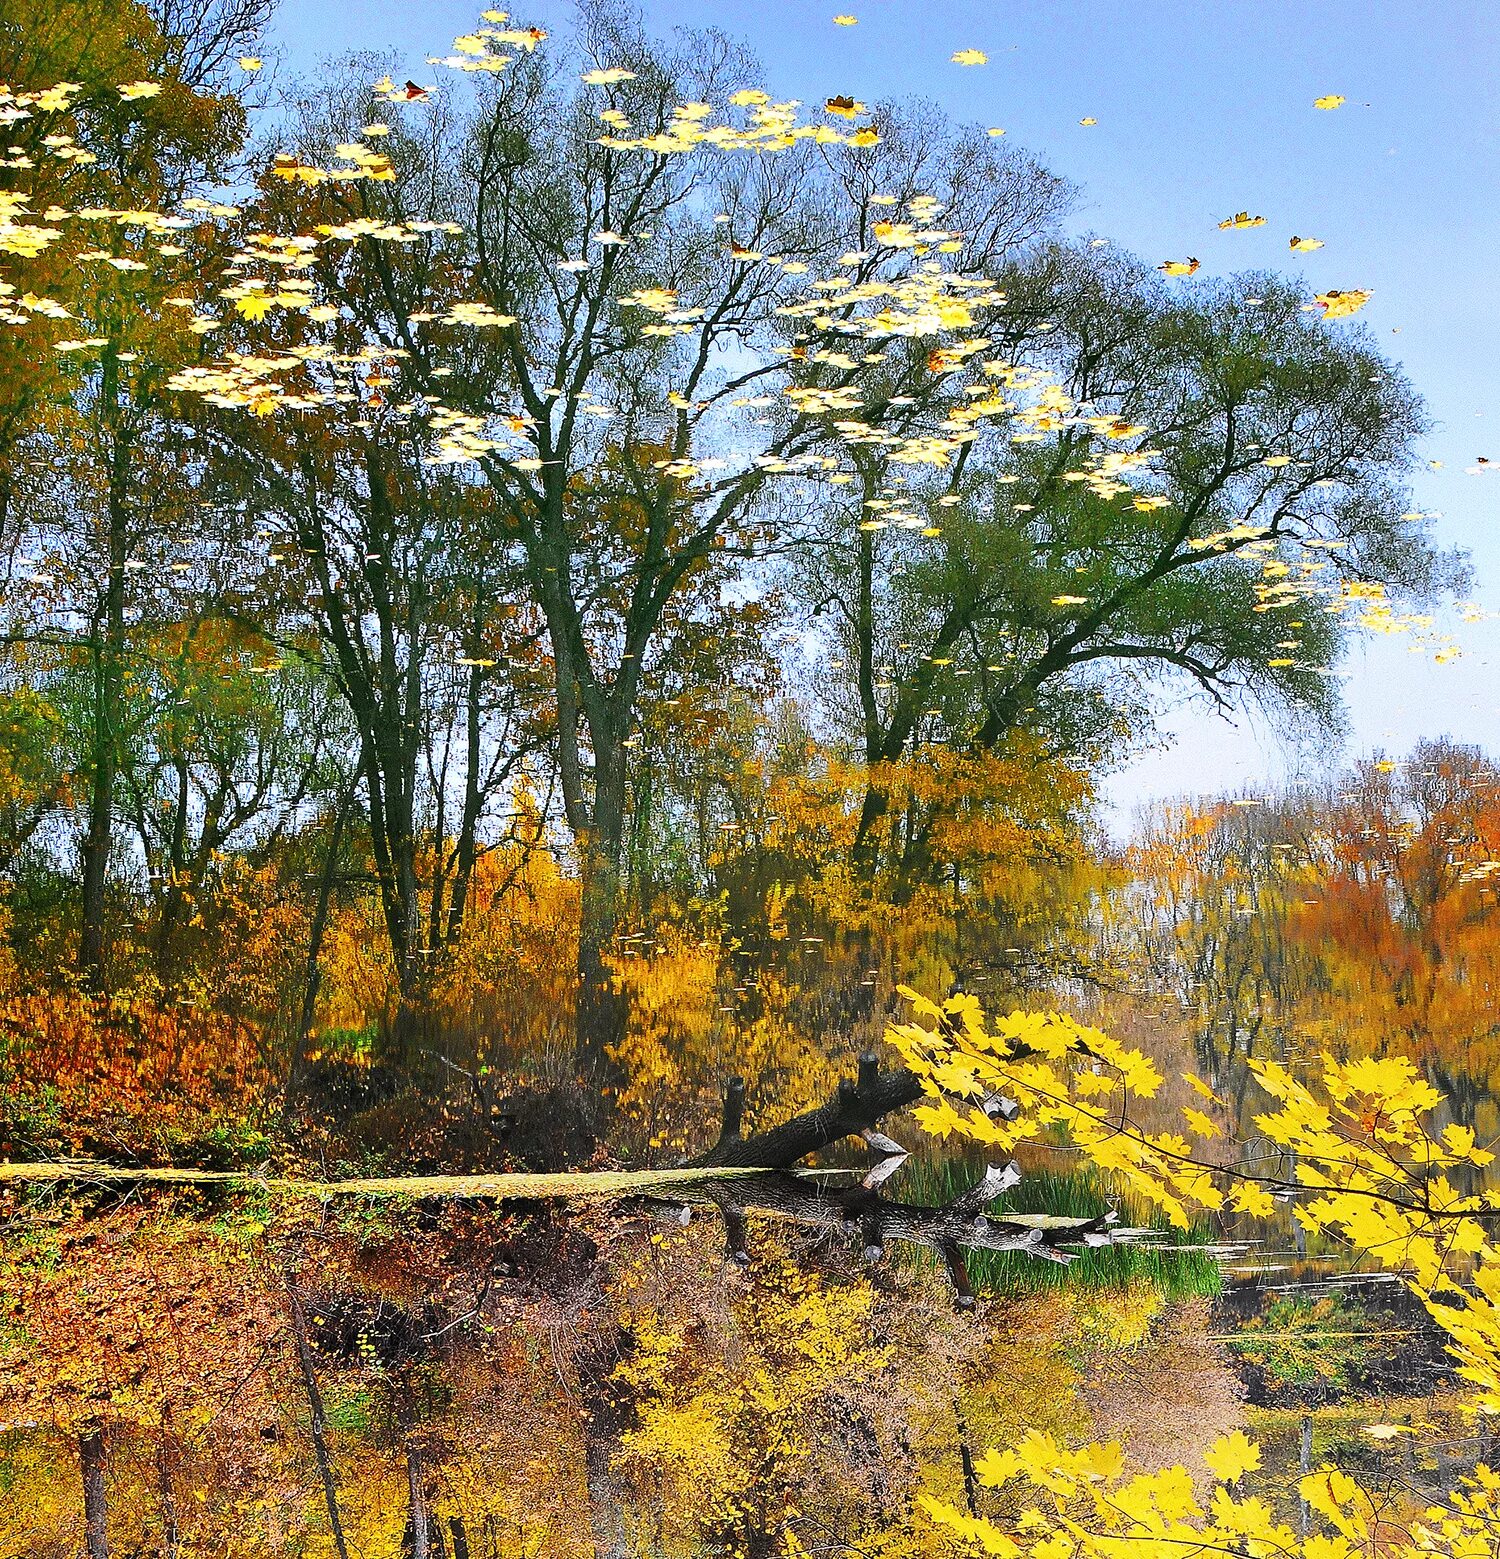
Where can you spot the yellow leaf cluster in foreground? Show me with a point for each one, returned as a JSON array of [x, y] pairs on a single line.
[[1371, 1170]]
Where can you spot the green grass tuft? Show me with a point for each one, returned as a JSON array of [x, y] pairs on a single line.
[[1175, 1273]]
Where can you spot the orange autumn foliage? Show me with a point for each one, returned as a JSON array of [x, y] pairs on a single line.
[[1400, 913], [1358, 918], [86, 1074]]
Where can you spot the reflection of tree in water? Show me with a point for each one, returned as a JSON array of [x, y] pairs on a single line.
[[1323, 1340], [460, 1387]]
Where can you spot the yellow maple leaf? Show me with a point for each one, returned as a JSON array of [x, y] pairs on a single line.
[[970, 57], [250, 62], [1304, 244], [845, 21], [1179, 267], [1104, 1459], [1333, 100], [1231, 1456], [131, 90], [1201, 1123], [1243, 219], [1247, 1198]]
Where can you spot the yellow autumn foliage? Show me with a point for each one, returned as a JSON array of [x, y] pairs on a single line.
[[1371, 1170]]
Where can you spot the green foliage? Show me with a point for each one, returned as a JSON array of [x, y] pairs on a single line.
[[351, 1409], [1312, 1348]]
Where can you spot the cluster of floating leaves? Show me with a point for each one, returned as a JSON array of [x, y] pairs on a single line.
[[929, 300]]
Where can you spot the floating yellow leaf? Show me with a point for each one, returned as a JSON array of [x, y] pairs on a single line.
[[970, 57], [845, 21], [1339, 305], [249, 62], [1333, 100], [607, 78], [1304, 244], [1179, 267], [1243, 219]]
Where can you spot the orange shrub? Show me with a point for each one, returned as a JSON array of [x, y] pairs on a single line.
[[80, 1073]]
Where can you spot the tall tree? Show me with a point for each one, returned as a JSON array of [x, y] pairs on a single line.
[[385, 564], [1195, 481], [660, 370], [148, 118]]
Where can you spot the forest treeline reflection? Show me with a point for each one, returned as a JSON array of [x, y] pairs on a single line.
[[563, 987]]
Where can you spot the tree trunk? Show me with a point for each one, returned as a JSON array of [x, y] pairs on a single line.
[[315, 935], [109, 648], [416, 1503], [966, 1459], [857, 1106], [602, 1010], [463, 868], [317, 1420], [91, 1459], [605, 1415], [167, 1495], [171, 907]]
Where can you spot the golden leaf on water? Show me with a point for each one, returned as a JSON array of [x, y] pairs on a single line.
[[1339, 305]]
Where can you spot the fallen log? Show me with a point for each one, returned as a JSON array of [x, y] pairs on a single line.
[[857, 1107]]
